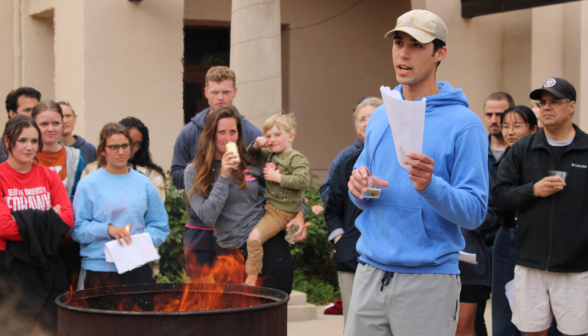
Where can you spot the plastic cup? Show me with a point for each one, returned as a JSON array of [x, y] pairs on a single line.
[[373, 187], [290, 235], [558, 173]]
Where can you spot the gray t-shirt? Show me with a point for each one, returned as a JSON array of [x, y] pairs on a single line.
[[497, 154], [232, 212]]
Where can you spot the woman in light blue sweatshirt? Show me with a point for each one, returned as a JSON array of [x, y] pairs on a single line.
[[107, 200]]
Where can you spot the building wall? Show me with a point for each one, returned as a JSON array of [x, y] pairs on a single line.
[[6, 55], [474, 52], [70, 66], [572, 49], [327, 68], [38, 58], [331, 66], [133, 67], [516, 55], [115, 58]]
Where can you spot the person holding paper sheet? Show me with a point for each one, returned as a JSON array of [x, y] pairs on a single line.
[[107, 200], [551, 272], [407, 282]]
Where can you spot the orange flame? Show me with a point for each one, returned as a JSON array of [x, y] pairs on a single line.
[[226, 269]]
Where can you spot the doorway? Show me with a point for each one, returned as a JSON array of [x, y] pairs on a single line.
[[204, 47]]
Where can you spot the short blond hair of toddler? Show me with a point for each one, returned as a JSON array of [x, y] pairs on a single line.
[[282, 120]]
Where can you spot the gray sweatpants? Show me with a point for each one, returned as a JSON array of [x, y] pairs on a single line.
[[411, 304]]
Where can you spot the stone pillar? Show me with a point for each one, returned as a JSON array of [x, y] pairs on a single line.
[[256, 58]]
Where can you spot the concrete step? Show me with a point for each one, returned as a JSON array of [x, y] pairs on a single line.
[[297, 298], [299, 310], [304, 312]]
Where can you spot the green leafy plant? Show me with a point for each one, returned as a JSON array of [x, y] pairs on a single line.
[[317, 291], [172, 262], [313, 257], [314, 272]]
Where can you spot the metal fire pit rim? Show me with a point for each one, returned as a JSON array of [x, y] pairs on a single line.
[[61, 302]]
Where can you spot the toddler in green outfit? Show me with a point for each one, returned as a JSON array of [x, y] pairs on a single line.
[[286, 175]]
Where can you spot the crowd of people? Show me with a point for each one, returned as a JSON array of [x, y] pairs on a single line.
[[397, 256], [503, 196]]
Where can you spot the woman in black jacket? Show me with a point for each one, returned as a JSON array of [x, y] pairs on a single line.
[[516, 123], [340, 215]]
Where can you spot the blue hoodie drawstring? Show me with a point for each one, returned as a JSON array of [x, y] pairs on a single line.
[[386, 279]]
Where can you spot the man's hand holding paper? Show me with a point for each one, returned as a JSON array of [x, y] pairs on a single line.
[[421, 169]]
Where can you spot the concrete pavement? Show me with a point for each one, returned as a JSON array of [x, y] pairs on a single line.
[[332, 325]]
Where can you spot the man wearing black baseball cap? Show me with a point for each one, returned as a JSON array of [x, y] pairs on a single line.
[[545, 178]]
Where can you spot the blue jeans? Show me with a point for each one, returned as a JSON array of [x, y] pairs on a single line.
[[504, 256], [503, 265]]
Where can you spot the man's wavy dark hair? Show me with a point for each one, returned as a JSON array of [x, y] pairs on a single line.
[[12, 97]]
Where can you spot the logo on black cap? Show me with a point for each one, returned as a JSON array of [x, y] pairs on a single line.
[[550, 82], [558, 87]]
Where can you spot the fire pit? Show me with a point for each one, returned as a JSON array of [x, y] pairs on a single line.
[[173, 309]]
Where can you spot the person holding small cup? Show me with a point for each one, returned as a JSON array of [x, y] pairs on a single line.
[[551, 273]]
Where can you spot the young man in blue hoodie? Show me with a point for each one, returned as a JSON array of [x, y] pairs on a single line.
[[407, 281]]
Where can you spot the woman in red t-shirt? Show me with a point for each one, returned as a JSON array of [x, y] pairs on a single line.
[[25, 184]]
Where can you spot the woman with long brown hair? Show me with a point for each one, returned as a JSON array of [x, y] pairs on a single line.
[[225, 190]]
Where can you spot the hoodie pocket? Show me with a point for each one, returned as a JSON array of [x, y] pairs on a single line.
[[396, 235]]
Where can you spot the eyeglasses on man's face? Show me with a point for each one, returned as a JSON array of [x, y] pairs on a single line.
[[362, 120], [116, 148], [515, 127], [553, 102]]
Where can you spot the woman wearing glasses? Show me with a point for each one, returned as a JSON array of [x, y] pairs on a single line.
[[516, 123], [109, 199]]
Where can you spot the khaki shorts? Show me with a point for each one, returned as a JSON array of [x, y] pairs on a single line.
[[539, 295]]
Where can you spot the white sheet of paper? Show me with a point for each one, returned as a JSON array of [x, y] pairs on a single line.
[[407, 122], [510, 294], [468, 257], [129, 257]]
